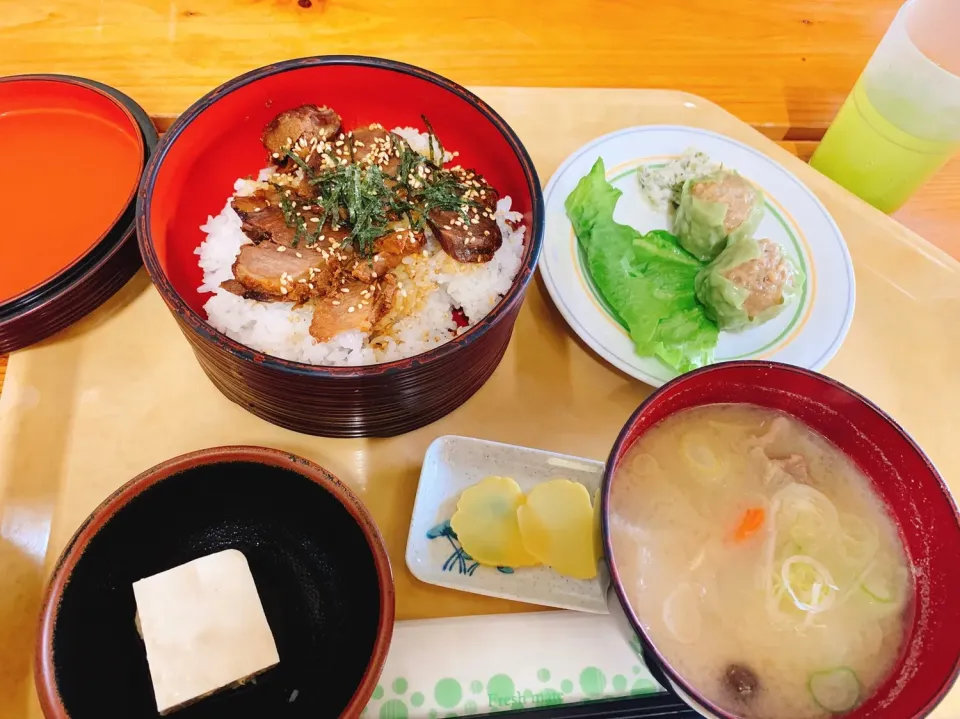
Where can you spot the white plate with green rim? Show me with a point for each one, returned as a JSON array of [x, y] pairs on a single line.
[[807, 333]]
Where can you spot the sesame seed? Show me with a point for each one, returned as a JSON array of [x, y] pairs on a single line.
[[350, 309], [283, 290], [311, 286], [359, 144], [281, 248], [447, 227], [257, 209], [314, 219], [299, 255], [335, 302], [345, 289], [301, 282], [276, 156], [486, 233]]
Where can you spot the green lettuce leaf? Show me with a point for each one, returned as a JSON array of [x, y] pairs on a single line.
[[648, 279]]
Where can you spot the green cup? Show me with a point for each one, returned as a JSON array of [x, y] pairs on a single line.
[[901, 122]]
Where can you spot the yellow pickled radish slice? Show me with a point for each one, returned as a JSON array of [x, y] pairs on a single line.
[[557, 526], [597, 533], [486, 523]]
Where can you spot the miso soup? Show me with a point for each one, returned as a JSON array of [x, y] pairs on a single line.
[[760, 561]]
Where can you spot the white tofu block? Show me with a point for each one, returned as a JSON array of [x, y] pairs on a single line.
[[204, 628]]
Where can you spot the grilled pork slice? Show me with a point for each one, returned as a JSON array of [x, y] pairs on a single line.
[[469, 234], [264, 220], [388, 251], [269, 271], [372, 145], [352, 306], [300, 130]]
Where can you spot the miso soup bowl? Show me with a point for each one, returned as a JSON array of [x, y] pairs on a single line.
[[218, 140], [914, 493]]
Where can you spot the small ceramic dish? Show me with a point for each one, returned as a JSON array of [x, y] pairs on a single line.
[[319, 563], [434, 554], [807, 333]]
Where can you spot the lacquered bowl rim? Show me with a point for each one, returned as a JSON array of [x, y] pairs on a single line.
[[44, 668], [191, 318], [111, 230], [621, 445]]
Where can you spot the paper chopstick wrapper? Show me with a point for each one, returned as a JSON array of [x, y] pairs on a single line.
[[484, 664]]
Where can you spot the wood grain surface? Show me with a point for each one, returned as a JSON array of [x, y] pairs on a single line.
[[784, 63]]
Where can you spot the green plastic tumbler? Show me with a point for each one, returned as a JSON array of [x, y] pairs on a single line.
[[901, 122]]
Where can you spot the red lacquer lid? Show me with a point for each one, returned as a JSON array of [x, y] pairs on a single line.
[[71, 155]]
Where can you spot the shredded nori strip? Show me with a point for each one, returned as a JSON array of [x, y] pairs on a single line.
[[362, 196]]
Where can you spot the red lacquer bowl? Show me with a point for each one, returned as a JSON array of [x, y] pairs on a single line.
[[319, 563], [218, 140], [89, 249], [904, 478]]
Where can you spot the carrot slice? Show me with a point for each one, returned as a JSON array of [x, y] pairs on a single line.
[[751, 521]]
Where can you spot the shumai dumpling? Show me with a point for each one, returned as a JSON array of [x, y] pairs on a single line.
[[748, 284], [716, 209]]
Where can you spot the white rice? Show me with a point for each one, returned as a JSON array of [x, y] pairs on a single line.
[[661, 185], [431, 286]]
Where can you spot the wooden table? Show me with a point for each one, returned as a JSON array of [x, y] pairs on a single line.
[[785, 66]]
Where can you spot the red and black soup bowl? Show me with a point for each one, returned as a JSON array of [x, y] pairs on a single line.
[[911, 488], [316, 556], [219, 139]]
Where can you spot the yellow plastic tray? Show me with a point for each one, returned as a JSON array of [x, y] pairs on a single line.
[[87, 410]]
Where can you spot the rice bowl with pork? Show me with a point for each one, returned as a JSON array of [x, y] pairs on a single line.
[[356, 247]]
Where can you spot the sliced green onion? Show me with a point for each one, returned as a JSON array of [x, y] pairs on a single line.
[[884, 587], [810, 585], [836, 690], [878, 589]]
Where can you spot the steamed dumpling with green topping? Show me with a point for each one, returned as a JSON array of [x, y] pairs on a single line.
[[715, 209], [750, 282]]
